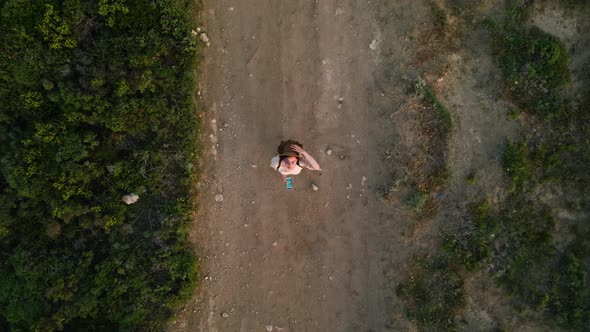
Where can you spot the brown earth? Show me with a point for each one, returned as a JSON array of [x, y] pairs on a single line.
[[293, 260], [339, 75]]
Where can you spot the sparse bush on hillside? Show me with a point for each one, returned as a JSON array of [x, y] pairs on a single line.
[[432, 294], [469, 241], [534, 64]]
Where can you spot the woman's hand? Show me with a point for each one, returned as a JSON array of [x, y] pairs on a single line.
[[298, 149], [313, 163]]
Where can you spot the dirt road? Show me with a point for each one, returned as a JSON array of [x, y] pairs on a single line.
[[299, 260]]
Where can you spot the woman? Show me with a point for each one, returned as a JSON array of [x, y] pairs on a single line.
[[292, 159]]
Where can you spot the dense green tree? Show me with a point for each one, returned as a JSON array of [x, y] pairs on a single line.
[[96, 104]]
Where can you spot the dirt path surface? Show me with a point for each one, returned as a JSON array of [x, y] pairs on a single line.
[[299, 260]]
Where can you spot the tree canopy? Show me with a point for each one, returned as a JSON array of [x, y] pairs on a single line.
[[96, 104]]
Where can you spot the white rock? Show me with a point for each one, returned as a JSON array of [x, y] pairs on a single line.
[[130, 199], [224, 314], [219, 198], [269, 328], [314, 187], [363, 180], [373, 45], [205, 38], [329, 152]]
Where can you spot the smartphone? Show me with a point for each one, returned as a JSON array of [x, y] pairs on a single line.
[[289, 183]]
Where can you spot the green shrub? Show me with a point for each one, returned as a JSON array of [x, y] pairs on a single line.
[[534, 64], [97, 104], [469, 241], [432, 294], [416, 201], [442, 113]]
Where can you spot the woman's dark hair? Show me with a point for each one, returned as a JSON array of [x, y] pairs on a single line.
[[285, 151], [285, 146]]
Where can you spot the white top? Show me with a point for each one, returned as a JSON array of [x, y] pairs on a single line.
[[274, 163]]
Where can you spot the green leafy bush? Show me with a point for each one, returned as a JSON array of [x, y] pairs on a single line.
[[534, 64], [97, 105]]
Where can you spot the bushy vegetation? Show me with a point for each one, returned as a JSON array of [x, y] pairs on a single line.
[[432, 294], [534, 64], [468, 241], [531, 267], [444, 122], [517, 241], [96, 105]]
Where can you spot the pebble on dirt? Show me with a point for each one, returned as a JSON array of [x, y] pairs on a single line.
[[205, 38], [373, 45], [224, 314], [219, 198], [329, 152], [314, 187]]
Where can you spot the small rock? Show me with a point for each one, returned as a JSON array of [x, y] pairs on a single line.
[[224, 314], [219, 198], [329, 152], [314, 187], [363, 180], [373, 45], [225, 125], [205, 38], [341, 156], [130, 199], [269, 328]]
